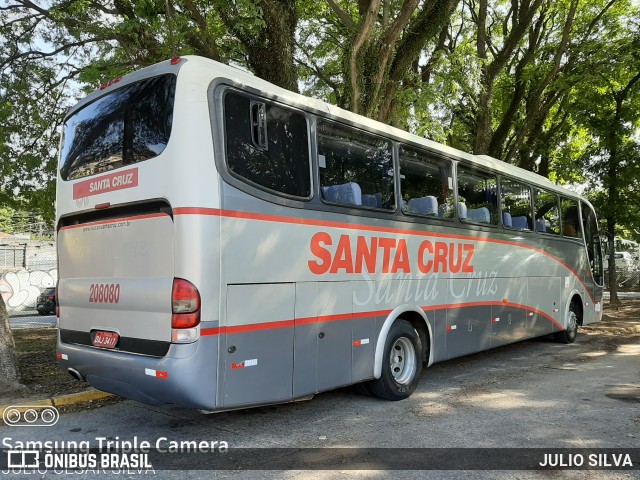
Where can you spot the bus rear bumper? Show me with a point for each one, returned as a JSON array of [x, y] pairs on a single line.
[[185, 376]]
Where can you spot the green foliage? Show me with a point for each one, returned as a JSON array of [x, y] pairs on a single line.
[[547, 78]]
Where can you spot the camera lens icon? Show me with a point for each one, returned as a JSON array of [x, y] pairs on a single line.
[[30, 416]]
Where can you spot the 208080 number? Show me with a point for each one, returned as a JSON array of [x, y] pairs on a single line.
[[104, 293]]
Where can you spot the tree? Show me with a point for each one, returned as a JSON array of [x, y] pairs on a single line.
[[515, 69], [370, 50], [52, 54], [9, 377], [616, 160]]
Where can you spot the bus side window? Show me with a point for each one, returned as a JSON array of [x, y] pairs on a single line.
[[516, 205], [570, 223], [267, 145], [426, 184], [356, 168], [546, 212], [477, 192]]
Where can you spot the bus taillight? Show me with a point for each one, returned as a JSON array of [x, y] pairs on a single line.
[[185, 305]]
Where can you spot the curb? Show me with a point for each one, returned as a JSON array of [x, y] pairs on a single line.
[[59, 401], [80, 397]]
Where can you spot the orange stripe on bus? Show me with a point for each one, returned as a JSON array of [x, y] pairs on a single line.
[[348, 316], [361, 227]]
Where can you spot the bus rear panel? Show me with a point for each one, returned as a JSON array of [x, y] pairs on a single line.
[[131, 271]]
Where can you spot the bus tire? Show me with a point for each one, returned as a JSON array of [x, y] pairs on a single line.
[[401, 363], [571, 332]]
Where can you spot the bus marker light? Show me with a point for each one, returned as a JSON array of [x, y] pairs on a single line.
[[359, 343], [530, 314], [156, 373], [247, 363], [175, 60], [555, 310], [451, 327], [496, 320], [62, 356]]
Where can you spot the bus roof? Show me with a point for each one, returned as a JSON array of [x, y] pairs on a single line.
[[216, 70]]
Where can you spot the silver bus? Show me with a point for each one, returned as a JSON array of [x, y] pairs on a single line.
[[224, 243]]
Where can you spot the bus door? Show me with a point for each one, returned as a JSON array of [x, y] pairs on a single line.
[[258, 347], [594, 249]]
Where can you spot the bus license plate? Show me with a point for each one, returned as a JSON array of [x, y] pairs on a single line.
[[105, 339]]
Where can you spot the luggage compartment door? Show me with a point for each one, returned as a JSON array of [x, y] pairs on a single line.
[[258, 351]]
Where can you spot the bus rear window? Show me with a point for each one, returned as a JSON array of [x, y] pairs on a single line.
[[126, 126]]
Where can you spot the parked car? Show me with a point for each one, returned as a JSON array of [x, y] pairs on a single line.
[[46, 303], [627, 273], [624, 262]]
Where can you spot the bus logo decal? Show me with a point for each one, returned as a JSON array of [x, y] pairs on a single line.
[[387, 255], [106, 183]]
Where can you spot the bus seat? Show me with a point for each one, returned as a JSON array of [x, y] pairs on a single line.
[[480, 215], [462, 211], [506, 219], [372, 200], [346, 193], [520, 222], [424, 205]]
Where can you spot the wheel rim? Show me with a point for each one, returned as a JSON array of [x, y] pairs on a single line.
[[402, 361]]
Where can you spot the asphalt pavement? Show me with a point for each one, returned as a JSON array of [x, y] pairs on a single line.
[[31, 320], [534, 394]]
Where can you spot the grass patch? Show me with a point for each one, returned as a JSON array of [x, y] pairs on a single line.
[[39, 371]]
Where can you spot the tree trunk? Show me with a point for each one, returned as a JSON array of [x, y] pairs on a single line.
[[483, 121], [613, 275], [272, 53], [9, 377]]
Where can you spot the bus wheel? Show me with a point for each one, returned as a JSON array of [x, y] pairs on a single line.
[[569, 335], [401, 363]]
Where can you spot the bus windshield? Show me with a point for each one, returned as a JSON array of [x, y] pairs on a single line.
[[129, 125]]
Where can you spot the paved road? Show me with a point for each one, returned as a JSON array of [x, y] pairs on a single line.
[[32, 321], [532, 394], [624, 295]]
